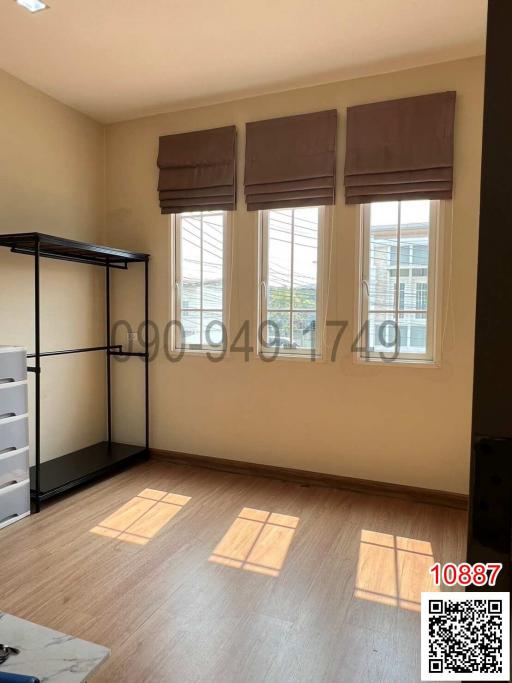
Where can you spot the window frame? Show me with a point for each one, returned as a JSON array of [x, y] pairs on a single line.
[[176, 287], [318, 352], [432, 314]]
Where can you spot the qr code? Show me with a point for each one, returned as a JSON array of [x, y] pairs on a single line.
[[465, 636]]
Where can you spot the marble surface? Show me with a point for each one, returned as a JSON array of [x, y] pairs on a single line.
[[51, 656]]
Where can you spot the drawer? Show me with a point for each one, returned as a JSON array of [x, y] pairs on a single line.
[[14, 467], [13, 433], [13, 364], [14, 503], [13, 400]]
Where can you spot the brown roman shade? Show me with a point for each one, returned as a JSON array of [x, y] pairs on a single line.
[[400, 149], [291, 161], [198, 171]]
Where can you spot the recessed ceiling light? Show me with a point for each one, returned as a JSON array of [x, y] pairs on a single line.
[[33, 5]]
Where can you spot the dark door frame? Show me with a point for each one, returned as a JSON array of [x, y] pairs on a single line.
[[490, 515]]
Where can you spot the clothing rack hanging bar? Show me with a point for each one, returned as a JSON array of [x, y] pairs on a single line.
[[129, 354], [68, 351]]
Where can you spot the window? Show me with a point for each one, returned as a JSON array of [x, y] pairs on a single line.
[[200, 248], [290, 293], [397, 312]]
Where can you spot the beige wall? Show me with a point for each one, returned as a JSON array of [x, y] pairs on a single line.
[[396, 424], [52, 180]]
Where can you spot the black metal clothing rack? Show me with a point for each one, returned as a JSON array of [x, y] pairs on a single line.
[[60, 474]]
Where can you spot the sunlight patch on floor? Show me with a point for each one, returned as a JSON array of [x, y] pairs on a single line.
[[257, 541], [393, 570], [142, 517]]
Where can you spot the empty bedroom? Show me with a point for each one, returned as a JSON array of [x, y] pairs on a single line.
[[255, 341]]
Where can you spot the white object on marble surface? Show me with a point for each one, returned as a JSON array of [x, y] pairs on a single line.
[[49, 655]]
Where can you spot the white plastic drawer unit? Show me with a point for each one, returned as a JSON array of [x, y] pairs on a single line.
[[13, 399], [14, 467], [13, 433], [13, 364], [14, 450], [14, 503]]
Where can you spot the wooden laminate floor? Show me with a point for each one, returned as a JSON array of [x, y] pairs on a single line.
[[188, 574]]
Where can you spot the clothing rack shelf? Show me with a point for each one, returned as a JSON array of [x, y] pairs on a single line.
[[63, 473]]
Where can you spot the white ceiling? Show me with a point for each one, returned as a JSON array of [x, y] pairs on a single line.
[[118, 59]]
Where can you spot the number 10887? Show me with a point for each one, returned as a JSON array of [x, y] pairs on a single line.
[[465, 574]]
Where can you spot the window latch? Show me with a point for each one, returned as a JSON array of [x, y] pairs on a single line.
[[366, 287]]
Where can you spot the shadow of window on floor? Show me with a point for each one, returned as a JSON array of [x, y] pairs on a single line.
[[142, 517], [257, 541], [393, 570]]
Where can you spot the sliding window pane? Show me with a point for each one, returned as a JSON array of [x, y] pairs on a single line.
[[280, 227], [190, 262], [383, 247], [397, 271], [200, 277], [213, 250], [290, 284], [305, 258], [414, 234]]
